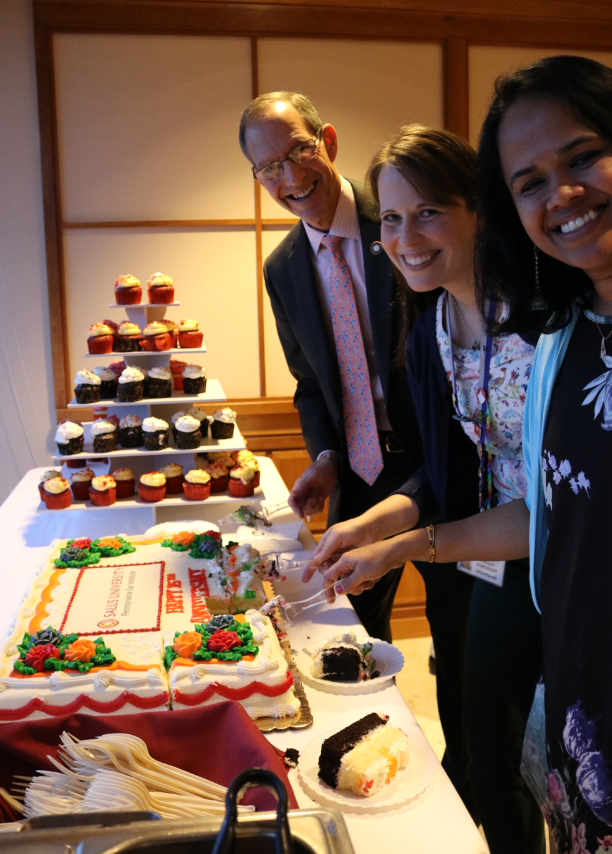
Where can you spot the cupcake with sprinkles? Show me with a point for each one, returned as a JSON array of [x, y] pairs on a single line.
[[189, 334], [131, 385], [173, 473], [177, 367], [87, 387], [241, 482], [128, 337], [155, 432], [48, 475], [103, 436], [219, 477], [56, 494], [222, 426], [172, 330], [197, 485], [180, 413], [130, 432], [194, 379], [202, 417], [100, 338], [126, 483], [152, 486], [158, 383], [69, 438], [128, 290], [187, 433], [108, 382], [160, 289], [80, 482], [155, 337], [103, 491]]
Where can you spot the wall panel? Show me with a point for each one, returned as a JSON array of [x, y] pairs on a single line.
[[279, 382], [366, 89]]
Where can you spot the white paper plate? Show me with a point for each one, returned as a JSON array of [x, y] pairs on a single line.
[[389, 661], [407, 784]]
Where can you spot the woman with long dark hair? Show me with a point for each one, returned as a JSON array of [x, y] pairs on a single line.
[[424, 181]]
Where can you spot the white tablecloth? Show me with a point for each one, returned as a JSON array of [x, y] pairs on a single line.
[[434, 823]]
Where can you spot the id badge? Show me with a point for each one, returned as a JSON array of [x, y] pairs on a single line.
[[486, 570]]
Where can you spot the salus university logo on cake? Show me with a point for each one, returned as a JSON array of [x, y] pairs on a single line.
[[116, 599]]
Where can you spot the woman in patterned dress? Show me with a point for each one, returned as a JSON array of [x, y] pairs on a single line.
[[424, 180]]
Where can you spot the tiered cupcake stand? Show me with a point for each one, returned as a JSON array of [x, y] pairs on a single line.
[[139, 459]]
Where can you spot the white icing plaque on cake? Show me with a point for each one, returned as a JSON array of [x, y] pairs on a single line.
[[112, 599]]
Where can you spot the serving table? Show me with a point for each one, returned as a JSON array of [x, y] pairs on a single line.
[[435, 822]]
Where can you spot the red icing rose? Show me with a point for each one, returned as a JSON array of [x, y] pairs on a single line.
[[83, 543], [214, 534], [222, 641], [37, 656]]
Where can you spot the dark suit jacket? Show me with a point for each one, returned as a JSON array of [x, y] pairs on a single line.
[[290, 282]]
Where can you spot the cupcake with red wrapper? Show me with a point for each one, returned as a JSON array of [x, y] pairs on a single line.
[[87, 387], [131, 385], [172, 330], [69, 438], [219, 477], [117, 366], [194, 379], [155, 337], [246, 458], [176, 368], [100, 338], [126, 484], [103, 436], [161, 289], [187, 433], [156, 434], [241, 482], [222, 425], [152, 486], [111, 323], [130, 432], [128, 290], [56, 494], [48, 475], [197, 485], [173, 473], [225, 458], [189, 333], [80, 482], [108, 382], [128, 337], [202, 418], [103, 491], [158, 383]]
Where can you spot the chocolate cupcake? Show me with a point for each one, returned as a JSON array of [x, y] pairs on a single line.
[[187, 433], [175, 417], [131, 385], [202, 418], [69, 438], [108, 382], [156, 434], [194, 379], [128, 337], [158, 383], [103, 436], [87, 387], [222, 426], [130, 432]]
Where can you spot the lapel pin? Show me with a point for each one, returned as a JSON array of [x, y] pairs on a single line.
[[376, 247]]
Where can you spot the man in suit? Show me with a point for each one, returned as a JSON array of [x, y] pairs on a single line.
[[338, 311]]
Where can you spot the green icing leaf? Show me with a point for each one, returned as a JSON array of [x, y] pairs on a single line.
[[103, 660], [249, 594], [24, 669], [55, 664], [169, 656]]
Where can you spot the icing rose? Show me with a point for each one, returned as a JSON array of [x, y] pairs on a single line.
[[186, 644], [159, 280], [110, 543], [187, 424], [86, 378], [81, 650], [131, 375], [128, 328], [194, 372], [152, 424], [209, 546], [37, 655], [123, 474], [197, 476], [56, 485], [82, 476], [153, 478], [184, 538], [105, 374], [72, 553], [46, 636], [127, 281], [219, 621], [160, 374], [189, 325], [98, 329], [222, 641], [130, 421], [68, 430], [227, 415], [83, 543], [102, 427], [172, 470], [103, 483], [154, 328]]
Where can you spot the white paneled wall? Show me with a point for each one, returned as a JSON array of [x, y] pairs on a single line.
[[279, 382]]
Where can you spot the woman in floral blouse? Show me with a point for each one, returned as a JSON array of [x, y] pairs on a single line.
[[424, 180]]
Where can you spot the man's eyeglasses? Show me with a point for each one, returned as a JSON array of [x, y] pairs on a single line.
[[301, 154]]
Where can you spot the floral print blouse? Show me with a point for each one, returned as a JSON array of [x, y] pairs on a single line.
[[511, 360]]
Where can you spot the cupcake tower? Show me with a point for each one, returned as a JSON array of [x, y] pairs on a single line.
[[152, 394]]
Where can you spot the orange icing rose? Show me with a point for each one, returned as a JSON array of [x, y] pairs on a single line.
[[186, 644], [185, 538], [110, 543], [81, 650]]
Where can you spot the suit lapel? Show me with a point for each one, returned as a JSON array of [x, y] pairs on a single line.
[[379, 284]]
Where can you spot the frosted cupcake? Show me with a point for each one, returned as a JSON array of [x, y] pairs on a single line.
[[172, 330], [80, 482], [194, 379], [158, 383], [189, 334], [225, 458], [103, 436], [56, 494], [187, 433], [177, 367], [108, 382], [48, 475], [69, 438], [223, 422], [175, 417], [241, 482], [100, 338], [128, 290], [155, 337], [219, 477], [126, 484], [202, 418], [128, 337], [161, 289], [103, 491], [131, 385], [152, 486], [197, 485], [155, 432], [87, 387], [173, 473], [130, 432]]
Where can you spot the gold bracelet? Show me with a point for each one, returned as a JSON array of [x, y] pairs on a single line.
[[431, 535]]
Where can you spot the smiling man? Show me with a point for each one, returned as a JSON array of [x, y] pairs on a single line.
[[338, 312]]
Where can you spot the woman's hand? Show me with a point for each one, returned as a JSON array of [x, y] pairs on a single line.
[[336, 540], [359, 569]]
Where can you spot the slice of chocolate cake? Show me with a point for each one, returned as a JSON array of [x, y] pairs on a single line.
[[364, 756], [343, 659]]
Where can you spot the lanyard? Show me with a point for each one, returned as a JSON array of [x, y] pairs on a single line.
[[483, 417]]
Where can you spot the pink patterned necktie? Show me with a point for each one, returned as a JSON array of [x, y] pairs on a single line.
[[360, 428]]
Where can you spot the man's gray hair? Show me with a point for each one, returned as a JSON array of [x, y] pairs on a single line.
[[262, 106]]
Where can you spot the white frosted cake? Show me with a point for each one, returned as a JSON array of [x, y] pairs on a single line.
[[95, 632]]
